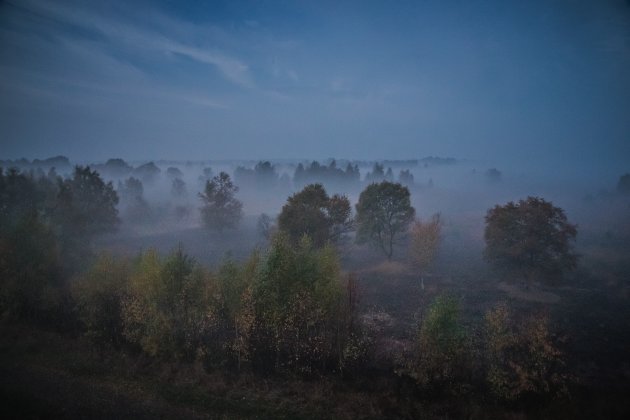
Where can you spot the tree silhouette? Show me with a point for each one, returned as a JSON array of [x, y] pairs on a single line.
[[221, 209], [383, 212], [531, 236], [312, 212]]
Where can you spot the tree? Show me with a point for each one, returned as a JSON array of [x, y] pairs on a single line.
[[131, 192], [425, 238], [166, 308], [405, 177], [86, 208], [87, 205], [235, 316], [29, 260], [266, 175], [440, 345], [265, 226], [178, 188], [99, 294], [383, 212], [377, 174], [623, 186], [389, 175], [522, 357], [493, 175], [174, 173], [115, 168], [148, 172], [298, 298], [531, 236], [312, 212], [221, 209]]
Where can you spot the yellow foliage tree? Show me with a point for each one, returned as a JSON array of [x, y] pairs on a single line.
[[425, 239]]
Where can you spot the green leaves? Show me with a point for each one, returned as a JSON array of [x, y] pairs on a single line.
[[521, 357], [531, 235], [165, 309], [383, 212], [440, 345], [312, 212]]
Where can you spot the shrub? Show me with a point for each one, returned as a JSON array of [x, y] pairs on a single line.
[[99, 295], [167, 310], [440, 347], [298, 298], [522, 358]]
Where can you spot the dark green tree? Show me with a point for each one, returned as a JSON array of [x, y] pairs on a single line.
[[87, 205], [440, 346], [312, 212], [532, 237], [29, 260], [86, 208], [221, 209], [384, 211], [298, 298]]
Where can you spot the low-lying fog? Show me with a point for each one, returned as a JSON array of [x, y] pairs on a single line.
[[460, 190]]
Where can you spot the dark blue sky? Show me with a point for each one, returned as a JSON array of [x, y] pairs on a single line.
[[510, 80]]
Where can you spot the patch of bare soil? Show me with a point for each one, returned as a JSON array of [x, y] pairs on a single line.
[[531, 295]]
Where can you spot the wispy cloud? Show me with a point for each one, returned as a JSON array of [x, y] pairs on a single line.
[[141, 40], [232, 69]]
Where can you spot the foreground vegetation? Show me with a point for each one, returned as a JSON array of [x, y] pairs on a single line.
[[298, 329]]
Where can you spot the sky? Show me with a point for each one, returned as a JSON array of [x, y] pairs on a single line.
[[513, 81]]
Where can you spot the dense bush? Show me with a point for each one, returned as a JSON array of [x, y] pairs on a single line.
[[30, 278], [227, 342], [166, 310], [312, 212], [298, 300], [99, 294], [522, 358], [439, 359], [289, 310]]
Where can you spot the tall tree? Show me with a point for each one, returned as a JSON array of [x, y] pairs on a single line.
[[85, 209], [29, 263], [384, 211], [87, 205], [531, 236], [221, 209], [312, 212], [167, 305]]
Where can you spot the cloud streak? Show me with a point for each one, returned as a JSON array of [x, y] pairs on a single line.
[[142, 40]]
